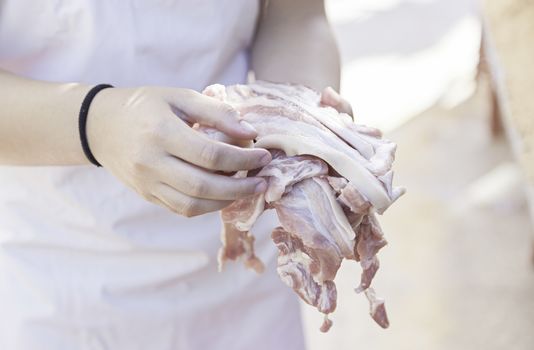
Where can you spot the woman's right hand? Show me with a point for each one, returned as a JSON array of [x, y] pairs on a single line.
[[143, 137]]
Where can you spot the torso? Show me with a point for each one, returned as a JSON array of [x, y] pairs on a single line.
[[83, 259]]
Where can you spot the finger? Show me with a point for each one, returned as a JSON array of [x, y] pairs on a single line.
[[156, 200], [209, 111], [330, 97], [217, 135], [196, 148], [200, 183], [186, 205]]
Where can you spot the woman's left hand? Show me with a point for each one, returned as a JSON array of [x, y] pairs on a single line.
[[330, 97]]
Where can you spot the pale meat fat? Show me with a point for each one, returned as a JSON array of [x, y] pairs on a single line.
[[328, 178]]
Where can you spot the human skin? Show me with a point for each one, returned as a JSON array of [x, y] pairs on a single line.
[[133, 132], [294, 43]]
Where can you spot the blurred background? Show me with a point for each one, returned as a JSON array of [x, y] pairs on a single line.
[[458, 272]]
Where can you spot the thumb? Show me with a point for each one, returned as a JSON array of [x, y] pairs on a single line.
[[209, 111], [330, 97]]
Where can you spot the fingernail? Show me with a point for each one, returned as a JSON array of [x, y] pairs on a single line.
[[336, 98], [261, 187], [247, 127], [266, 159]]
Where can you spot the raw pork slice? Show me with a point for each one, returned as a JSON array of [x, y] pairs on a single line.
[[328, 179]]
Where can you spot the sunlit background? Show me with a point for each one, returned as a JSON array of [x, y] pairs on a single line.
[[458, 270]]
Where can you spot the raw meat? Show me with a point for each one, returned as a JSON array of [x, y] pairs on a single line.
[[328, 179]]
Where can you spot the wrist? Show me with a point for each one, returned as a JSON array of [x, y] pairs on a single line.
[[95, 128]]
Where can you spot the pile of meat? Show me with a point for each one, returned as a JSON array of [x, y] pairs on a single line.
[[328, 179]]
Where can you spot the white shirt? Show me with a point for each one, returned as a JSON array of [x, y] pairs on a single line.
[[85, 263]]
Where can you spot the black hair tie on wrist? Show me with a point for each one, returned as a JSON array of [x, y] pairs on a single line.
[[82, 121]]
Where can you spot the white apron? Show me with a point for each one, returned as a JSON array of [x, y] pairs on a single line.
[[84, 262]]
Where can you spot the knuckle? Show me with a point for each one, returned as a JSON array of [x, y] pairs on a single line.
[[139, 164], [151, 198], [239, 188], [227, 111], [175, 209], [247, 188], [160, 127], [199, 188], [144, 192], [154, 130], [142, 168], [190, 208], [186, 95], [210, 154], [191, 94]]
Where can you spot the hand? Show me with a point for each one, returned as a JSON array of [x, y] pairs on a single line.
[[143, 137], [330, 97]]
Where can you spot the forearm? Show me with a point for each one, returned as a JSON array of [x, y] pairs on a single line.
[[295, 44], [38, 122]]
